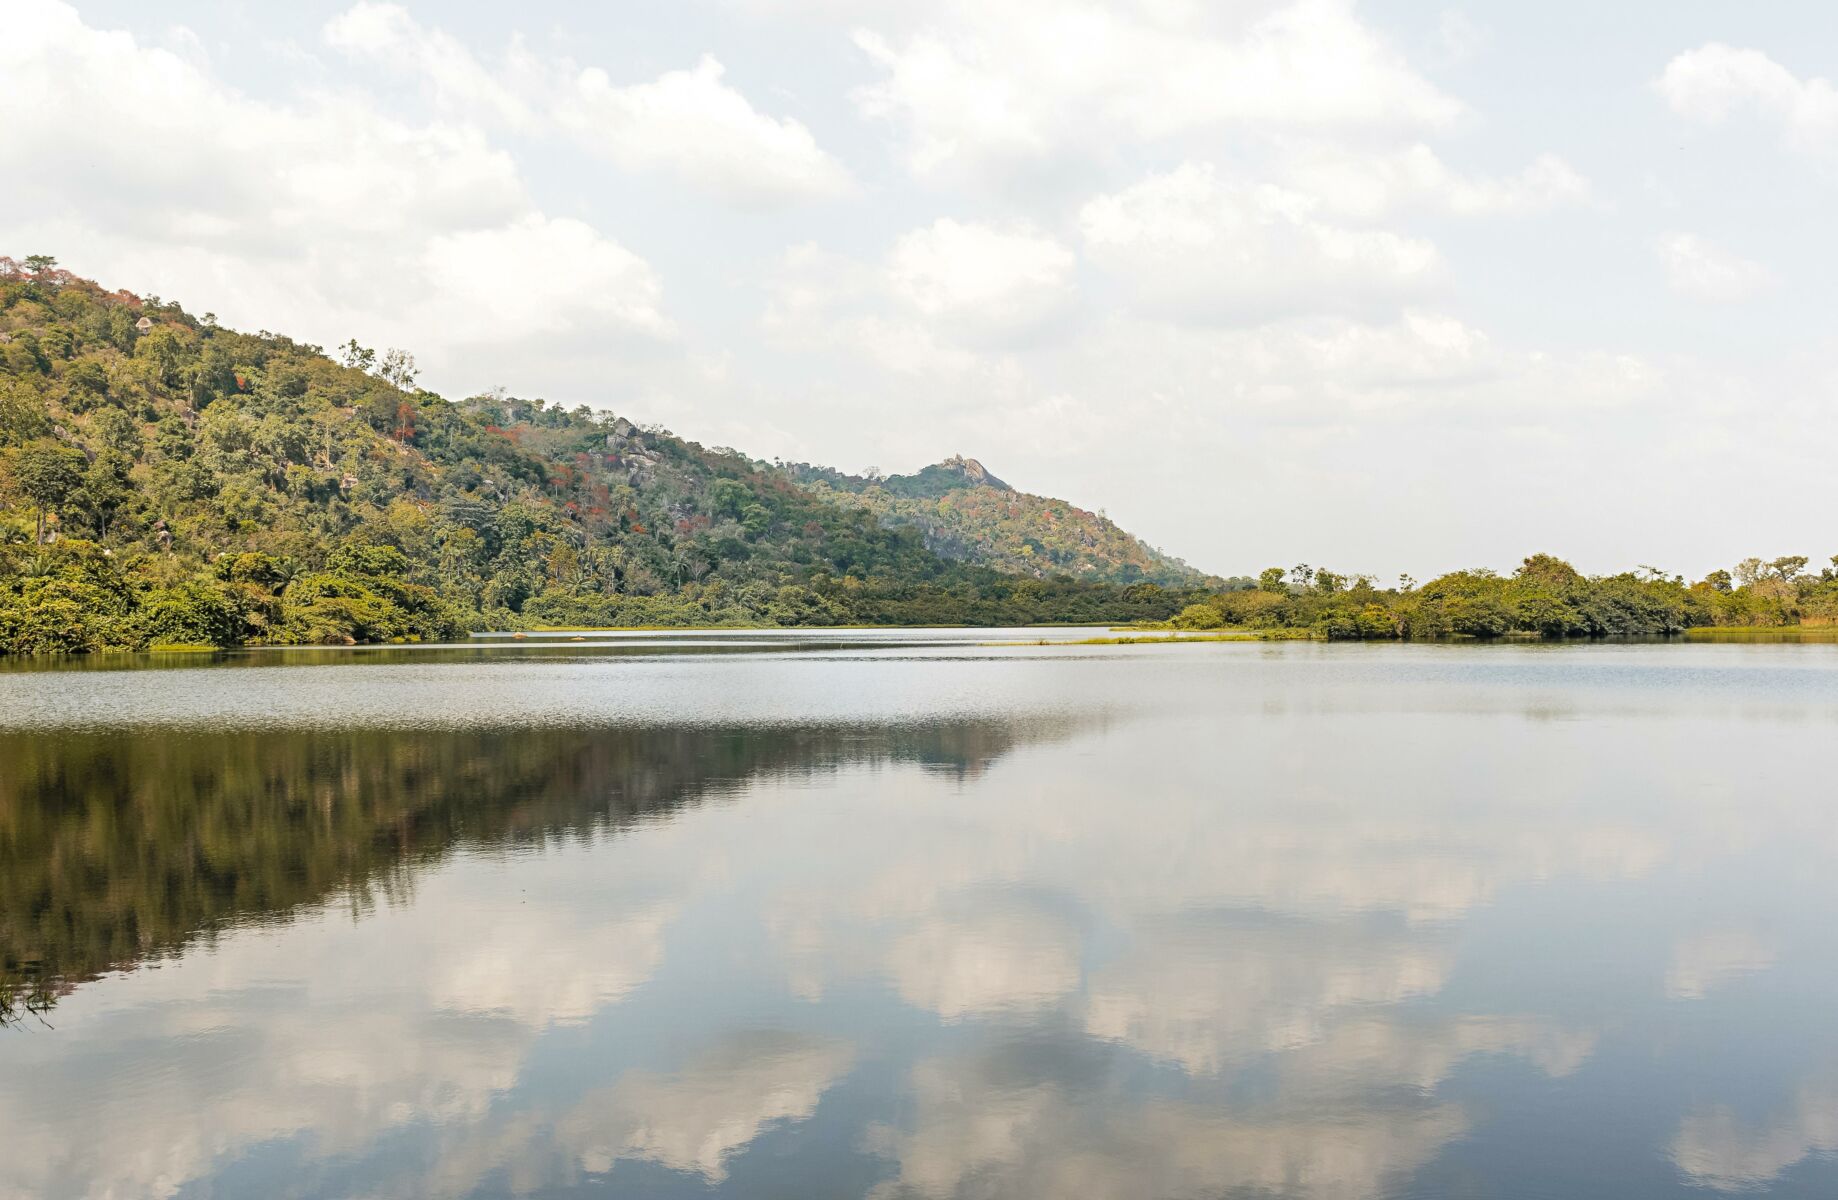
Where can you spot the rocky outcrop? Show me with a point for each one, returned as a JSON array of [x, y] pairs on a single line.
[[974, 471]]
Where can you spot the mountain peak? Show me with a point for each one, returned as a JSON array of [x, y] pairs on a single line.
[[973, 471]]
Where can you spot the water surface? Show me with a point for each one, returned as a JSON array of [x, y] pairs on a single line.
[[918, 915]]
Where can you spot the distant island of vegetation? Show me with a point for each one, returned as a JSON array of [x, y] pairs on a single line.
[[165, 481]]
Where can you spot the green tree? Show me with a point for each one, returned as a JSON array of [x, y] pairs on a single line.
[[1788, 569], [357, 357], [1549, 571], [1198, 616], [398, 369], [164, 351], [106, 489], [47, 474], [22, 414]]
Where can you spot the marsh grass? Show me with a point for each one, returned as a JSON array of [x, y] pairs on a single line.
[[1232, 635], [1762, 634]]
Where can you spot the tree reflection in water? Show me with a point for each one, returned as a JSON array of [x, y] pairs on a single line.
[[121, 847]]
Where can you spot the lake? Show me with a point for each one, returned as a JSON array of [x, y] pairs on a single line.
[[922, 914]]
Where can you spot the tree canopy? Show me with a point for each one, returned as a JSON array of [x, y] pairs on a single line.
[[166, 480], [186, 483]]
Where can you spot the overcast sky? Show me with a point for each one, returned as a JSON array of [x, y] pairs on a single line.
[[1403, 286]]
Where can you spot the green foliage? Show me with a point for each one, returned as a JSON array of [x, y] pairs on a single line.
[[237, 488], [1546, 597], [1199, 616], [966, 514], [189, 483], [193, 612], [46, 474]]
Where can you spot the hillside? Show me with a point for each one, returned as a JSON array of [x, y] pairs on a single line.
[[166, 480], [966, 514]]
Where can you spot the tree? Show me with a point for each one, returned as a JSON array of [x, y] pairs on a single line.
[[1548, 570], [564, 566], [1198, 616], [165, 351], [39, 264], [398, 369], [22, 357], [22, 414], [359, 357], [48, 473], [106, 488], [1270, 579], [726, 498], [88, 382], [1788, 569]]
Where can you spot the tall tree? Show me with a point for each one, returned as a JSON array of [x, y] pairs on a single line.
[[48, 473]]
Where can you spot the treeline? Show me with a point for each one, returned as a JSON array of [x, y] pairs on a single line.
[[1546, 597], [164, 480]]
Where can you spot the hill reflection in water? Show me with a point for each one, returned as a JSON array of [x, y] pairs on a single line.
[[1314, 922]]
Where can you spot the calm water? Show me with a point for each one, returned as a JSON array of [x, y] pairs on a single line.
[[896, 916]]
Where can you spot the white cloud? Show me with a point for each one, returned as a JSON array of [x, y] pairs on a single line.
[[819, 301], [1257, 990], [1363, 184], [407, 183], [522, 969], [990, 88], [149, 146], [569, 279], [982, 280], [974, 1130], [1458, 39], [1713, 957], [949, 298], [689, 123], [1704, 271], [1193, 247], [1716, 81], [1004, 962], [692, 1120], [1715, 1149], [453, 76], [335, 1033], [320, 216], [694, 125]]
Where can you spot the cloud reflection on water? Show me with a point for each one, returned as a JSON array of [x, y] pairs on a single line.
[[1163, 954]]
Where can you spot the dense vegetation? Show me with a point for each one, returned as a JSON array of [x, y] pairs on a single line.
[[964, 512], [1545, 597], [167, 481]]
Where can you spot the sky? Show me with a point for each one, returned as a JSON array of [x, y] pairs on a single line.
[[1401, 287]]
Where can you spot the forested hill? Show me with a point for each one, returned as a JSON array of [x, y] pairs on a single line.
[[166, 480], [965, 513]]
